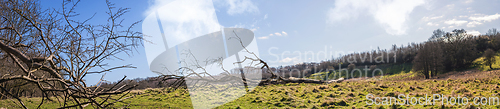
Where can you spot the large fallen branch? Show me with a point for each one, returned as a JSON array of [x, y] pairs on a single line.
[[274, 77]]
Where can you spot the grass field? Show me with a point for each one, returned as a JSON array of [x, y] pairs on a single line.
[[335, 95], [482, 82], [353, 94], [387, 70]]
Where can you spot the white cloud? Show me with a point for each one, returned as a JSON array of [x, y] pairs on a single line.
[[391, 14], [263, 37], [265, 16], [181, 21], [474, 20], [473, 24], [455, 22], [288, 60], [254, 29], [487, 18], [284, 33], [241, 6], [473, 32], [468, 1], [432, 24], [432, 18], [185, 19], [277, 34]]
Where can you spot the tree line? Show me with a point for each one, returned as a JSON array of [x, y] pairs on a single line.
[[442, 52]]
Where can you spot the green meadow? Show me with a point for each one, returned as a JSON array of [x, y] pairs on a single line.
[[355, 93]]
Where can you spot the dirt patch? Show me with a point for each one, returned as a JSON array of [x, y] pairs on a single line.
[[468, 74]]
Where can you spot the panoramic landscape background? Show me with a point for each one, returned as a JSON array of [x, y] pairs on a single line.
[[309, 54]]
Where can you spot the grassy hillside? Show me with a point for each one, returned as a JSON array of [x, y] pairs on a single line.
[[397, 80], [387, 69], [353, 94], [479, 63], [149, 98], [335, 95]]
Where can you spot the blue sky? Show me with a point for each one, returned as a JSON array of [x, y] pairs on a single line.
[[286, 30]]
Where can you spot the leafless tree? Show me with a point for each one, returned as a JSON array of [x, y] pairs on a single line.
[[429, 60], [195, 71], [55, 53], [460, 50], [492, 32]]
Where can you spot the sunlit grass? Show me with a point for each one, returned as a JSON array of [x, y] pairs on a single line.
[[390, 70], [31, 103], [353, 94], [302, 95], [479, 63], [346, 94]]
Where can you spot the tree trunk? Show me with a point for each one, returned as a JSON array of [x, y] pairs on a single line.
[[426, 74]]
